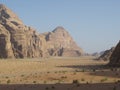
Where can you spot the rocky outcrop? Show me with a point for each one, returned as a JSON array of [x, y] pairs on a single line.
[[24, 41], [20, 41], [60, 43], [5, 44], [106, 55], [115, 57]]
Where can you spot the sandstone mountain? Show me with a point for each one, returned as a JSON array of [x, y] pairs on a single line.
[[60, 43], [106, 55], [115, 57], [19, 41]]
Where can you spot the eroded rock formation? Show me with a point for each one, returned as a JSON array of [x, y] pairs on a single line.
[[24, 41], [20, 41]]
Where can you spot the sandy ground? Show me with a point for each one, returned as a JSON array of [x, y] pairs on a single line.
[[56, 71]]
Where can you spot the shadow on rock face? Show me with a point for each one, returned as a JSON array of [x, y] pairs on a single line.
[[3, 53]]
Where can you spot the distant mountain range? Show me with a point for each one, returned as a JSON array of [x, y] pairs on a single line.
[[112, 55], [106, 54]]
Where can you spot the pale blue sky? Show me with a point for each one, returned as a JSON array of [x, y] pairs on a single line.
[[94, 24]]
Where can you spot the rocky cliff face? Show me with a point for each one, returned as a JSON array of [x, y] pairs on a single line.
[[115, 57], [20, 41], [107, 54], [5, 44], [24, 41]]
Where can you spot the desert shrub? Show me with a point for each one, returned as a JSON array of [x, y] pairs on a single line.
[[94, 70], [82, 79], [104, 79], [8, 81], [22, 75], [63, 77], [87, 82], [55, 72], [53, 87], [34, 82], [45, 82], [48, 72], [83, 70], [74, 73], [118, 81], [6, 77], [75, 82]]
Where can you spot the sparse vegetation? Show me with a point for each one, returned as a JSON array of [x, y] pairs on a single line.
[[63, 77], [94, 70], [104, 79], [64, 72], [53, 87], [82, 79], [118, 81], [75, 82], [30, 60], [22, 75], [83, 70], [45, 82], [74, 73], [59, 75], [56, 72], [8, 81], [34, 82], [48, 72], [87, 82], [6, 77]]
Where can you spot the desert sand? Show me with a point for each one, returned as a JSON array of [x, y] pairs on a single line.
[[56, 73]]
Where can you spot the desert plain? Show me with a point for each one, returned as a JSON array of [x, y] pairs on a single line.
[[66, 73]]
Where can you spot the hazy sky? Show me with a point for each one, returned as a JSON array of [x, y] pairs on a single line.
[[94, 24]]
